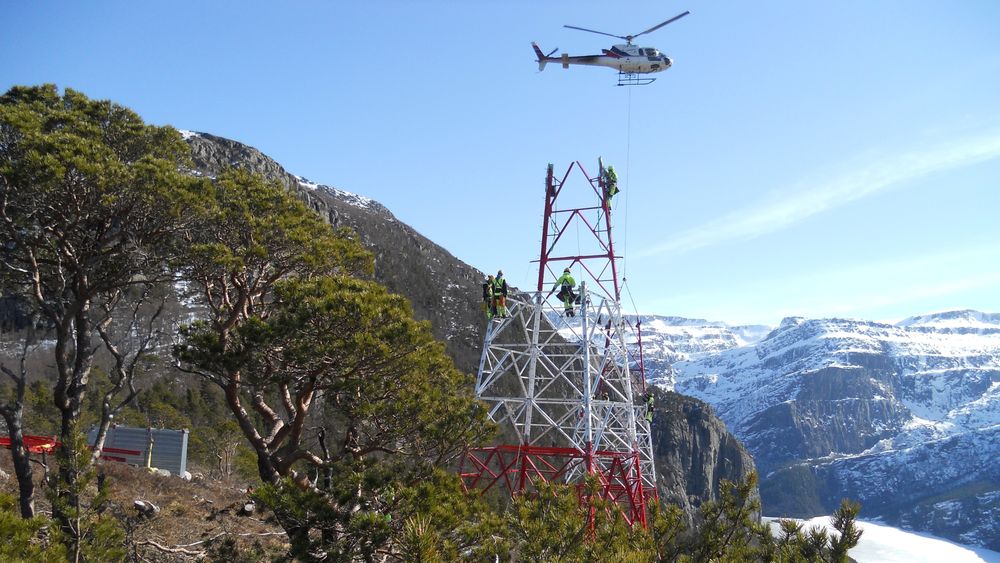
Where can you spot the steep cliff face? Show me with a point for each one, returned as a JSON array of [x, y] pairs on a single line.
[[696, 452], [693, 449], [835, 410]]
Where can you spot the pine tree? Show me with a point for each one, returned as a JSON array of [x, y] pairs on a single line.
[[27, 539], [843, 521], [90, 198], [90, 533], [294, 324], [252, 235]]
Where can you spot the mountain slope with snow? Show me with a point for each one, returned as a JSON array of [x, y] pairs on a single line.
[[904, 418]]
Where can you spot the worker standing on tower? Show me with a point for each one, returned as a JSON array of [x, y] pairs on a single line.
[[489, 307], [566, 283], [610, 186], [500, 295]]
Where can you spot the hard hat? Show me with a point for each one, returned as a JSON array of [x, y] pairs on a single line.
[[499, 273], [566, 270]]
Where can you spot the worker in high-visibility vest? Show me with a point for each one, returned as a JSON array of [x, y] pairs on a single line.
[[566, 283], [489, 307], [500, 295], [610, 186]]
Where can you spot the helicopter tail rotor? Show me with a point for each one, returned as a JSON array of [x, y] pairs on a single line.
[[542, 59]]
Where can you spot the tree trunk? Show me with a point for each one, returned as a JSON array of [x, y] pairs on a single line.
[[327, 534], [298, 537], [69, 397], [68, 509], [102, 436], [21, 458]]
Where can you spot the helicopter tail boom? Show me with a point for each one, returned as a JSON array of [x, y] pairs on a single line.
[[542, 59]]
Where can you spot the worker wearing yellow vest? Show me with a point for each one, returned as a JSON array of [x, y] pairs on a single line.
[[489, 306], [500, 295], [610, 186], [566, 283]]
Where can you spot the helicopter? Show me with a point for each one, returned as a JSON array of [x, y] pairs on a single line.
[[630, 60]]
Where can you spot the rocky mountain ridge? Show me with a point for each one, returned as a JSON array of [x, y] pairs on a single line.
[[405, 261], [904, 417]]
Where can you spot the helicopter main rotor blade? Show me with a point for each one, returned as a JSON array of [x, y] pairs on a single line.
[[598, 32], [655, 27]]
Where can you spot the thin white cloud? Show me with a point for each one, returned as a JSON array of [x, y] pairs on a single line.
[[793, 208], [919, 292], [864, 290]]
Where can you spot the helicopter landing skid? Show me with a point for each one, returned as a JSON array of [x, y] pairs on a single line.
[[633, 79]]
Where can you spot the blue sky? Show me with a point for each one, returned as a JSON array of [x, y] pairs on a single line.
[[800, 158]]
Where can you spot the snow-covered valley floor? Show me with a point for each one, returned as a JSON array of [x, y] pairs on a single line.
[[885, 544]]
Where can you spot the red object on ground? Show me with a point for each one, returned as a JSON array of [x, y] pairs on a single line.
[[35, 444], [46, 444]]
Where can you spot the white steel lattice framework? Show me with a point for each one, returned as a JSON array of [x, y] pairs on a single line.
[[564, 385]]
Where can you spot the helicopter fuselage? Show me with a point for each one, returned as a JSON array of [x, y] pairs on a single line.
[[629, 59], [624, 58]]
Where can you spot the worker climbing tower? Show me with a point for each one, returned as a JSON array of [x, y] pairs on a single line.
[[563, 388]]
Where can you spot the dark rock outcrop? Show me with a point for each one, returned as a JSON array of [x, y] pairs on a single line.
[[834, 411], [695, 451]]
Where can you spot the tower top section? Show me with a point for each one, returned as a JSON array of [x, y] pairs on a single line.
[[576, 228]]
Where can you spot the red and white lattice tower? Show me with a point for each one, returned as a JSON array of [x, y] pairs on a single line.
[[563, 385]]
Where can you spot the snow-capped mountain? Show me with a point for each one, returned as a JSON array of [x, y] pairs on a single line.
[[693, 338], [904, 418], [666, 340]]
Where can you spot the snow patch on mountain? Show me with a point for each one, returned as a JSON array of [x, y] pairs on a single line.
[[666, 340], [965, 319], [344, 195]]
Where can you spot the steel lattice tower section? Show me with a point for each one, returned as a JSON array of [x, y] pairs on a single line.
[[563, 386]]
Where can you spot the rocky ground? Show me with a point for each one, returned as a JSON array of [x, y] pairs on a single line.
[[193, 519]]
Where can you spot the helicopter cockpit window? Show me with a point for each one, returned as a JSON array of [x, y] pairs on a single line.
[[650, 52]]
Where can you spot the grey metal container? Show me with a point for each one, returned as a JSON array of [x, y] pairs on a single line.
[[130, 445]]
